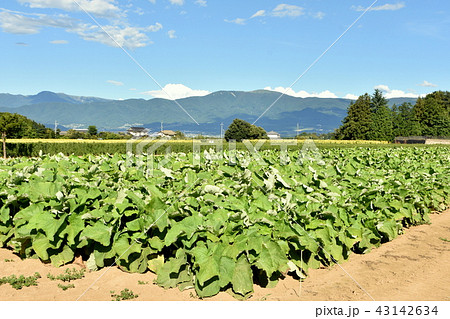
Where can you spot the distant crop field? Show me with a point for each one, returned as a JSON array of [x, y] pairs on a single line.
[[62, 141], [35, 147]]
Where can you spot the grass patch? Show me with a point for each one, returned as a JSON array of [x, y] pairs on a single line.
[[140, 282], [68, 275], [125, 294], [444, 239], [8, 261], [65, 287], [21, 281]]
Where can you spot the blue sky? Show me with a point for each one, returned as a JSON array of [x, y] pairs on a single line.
[[192, 47]]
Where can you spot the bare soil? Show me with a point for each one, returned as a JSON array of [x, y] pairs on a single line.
[[415, 266]]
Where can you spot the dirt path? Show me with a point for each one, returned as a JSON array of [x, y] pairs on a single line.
[[414, 266]]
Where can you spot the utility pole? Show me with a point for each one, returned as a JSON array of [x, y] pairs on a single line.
[[221, 130], [56, 126], [162, 129]]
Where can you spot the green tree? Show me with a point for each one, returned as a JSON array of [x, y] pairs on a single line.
[[404, 121], [356, 125], [257, 132], [241, 130], [381, 121], [179, 135], [73, 135], [10, 125], [92, 130], [433, 113]]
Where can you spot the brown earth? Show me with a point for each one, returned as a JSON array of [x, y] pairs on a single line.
[[415, 266]]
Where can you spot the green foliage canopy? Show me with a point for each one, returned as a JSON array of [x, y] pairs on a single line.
[[241, 130]]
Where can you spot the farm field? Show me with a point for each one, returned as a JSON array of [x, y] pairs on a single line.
[[218, 224], [407, 268]]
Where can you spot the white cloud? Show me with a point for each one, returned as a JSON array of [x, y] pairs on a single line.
[[280, 11], [287, 10], [390, 94], [59, 42], [124, 35], [351, 97], [154, 28], [387, 92], [116, 83], [19, 23], [177, 2], [236, 21], [171, 34], [152, 1], [427, 84], [382, 87], [201, 3], [97, 7], [259, 13], [129, 37], [302, 94], [318, 15], [385, 7], [176, 91]]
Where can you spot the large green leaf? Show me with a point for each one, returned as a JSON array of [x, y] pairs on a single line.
[[74, 227], [168, 274], [63, 257], [226, 270], [272, 258], [99, 233], [242, 279], [45, 221], [388, 228], [208, 289], [40, 245]]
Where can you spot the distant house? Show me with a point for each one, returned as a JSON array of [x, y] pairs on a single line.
[[137, 131], [81, 130], [166, 133], [273, 135]]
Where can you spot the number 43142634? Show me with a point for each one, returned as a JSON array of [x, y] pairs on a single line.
[[407, 310]]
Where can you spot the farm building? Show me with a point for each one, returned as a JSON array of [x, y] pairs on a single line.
[[166, 133], [422, 140], [137, 131], [273, 135]]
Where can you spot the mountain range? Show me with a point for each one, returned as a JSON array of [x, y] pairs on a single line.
[[310, 114]]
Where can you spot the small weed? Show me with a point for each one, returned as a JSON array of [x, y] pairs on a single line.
[[125, 294], [444, 239], [65, 287], [140, 282], [191, 295], [19, 283], [68, 275], [9, 261], [264, 298]]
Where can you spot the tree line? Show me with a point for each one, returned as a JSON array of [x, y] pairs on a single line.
[[371, 118]]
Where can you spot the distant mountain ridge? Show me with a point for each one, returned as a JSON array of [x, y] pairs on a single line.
[[320, 114], [12, 101]]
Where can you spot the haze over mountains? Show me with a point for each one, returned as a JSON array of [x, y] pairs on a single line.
[[311, 114]]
